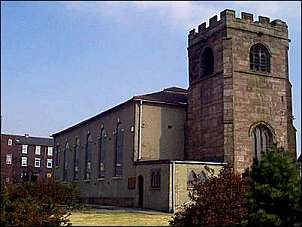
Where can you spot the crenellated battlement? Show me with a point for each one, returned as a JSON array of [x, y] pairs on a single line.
[[228, 19]]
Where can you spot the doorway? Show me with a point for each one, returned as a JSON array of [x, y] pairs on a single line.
[[140, 190]]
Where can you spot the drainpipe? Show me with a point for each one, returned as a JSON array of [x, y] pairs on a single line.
[[173, 186], [140, 117]]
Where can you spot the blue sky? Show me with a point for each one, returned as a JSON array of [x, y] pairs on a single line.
[[62, 62]]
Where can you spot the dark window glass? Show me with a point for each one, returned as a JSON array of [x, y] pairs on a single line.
[[102, 153], [88, 158], [207, 62], [65, 161], [259, 58], [119, 140], [155, 179], [76, 160]]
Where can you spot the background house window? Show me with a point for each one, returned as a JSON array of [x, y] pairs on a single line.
[[9, 142], [262, 138], [155, 179], [49, 151], [119, 140], [76, 160], [88, 153], [38, 150], [207, 62], [102, 150], [23, 161], [49, 163], [24, 149], [9, 158], [37, 162], [259, 58]]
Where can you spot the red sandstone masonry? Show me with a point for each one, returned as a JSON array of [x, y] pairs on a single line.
[[223, 106]]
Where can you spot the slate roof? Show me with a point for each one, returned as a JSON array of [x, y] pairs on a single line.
[[172, 95], [30, 140], [169, 96]]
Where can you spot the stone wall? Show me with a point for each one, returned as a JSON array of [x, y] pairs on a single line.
[[241, 97]]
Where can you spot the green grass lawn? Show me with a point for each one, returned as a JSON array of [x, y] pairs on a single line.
[[119, 218]]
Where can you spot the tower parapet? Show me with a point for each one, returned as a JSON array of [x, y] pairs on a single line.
[[263, 25]]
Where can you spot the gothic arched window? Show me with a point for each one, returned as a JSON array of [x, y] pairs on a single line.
[[119, 140], [102, 151], [262, 138], [65, 162], [259, 58], [76, 160], [88, 158], [207, 62]]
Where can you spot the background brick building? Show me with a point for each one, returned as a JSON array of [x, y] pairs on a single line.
[[25, 158]]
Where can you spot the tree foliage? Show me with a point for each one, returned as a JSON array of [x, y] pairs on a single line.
[[36, 204], [274, 195], [218, 201]]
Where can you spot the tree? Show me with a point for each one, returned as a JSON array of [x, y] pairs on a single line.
[[218, 201], [37, 204], [274, 196]]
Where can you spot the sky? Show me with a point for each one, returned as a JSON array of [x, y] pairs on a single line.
[[63, 62]]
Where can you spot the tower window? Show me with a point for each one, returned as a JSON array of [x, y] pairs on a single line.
[[207, 62], [259, 58], [262, 138]]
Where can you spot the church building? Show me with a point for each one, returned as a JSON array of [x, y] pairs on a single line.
[[147, 151]]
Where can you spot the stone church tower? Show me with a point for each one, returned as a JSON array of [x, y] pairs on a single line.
[[239, 99]]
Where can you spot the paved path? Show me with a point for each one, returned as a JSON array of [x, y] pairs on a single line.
[[102, 208]]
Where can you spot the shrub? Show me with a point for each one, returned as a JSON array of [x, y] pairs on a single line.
[[274, 196], [37, 204], [219, 201]]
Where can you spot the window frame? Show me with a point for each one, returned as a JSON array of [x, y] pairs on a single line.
[[155, 182], [76, 159], [9, 159], [37, 153], [49, 151], [24, 161], [262, 137], [24, 148], [259, 58], [10, 142], [37, 160], [102, 154], [119, 150], [49, 160]]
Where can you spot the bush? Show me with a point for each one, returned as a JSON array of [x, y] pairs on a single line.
[[37, 204], [219, 201], [274, 196]]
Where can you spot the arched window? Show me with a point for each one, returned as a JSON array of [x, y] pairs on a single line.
[[76, 160], [191, 180], [207, 62], [88, 157], [65, 161], [102, 153], [262, 138], [119, 140], [259, 58]]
